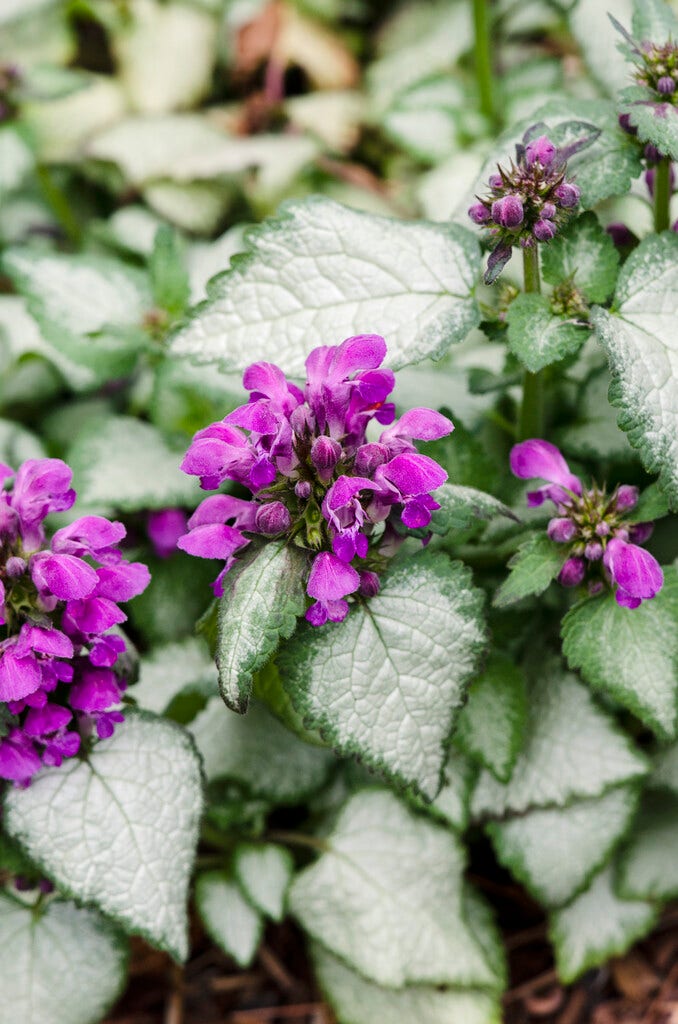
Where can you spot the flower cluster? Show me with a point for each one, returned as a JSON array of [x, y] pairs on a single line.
[[313, 475], [656, 64], [58, 604], [532, 199], [603, 542]]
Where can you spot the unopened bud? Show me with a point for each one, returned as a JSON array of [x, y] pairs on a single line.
[[626, 126], [272, 518], [544, 230], [567, 194], [508, 211], [602, 529], [595, 587], [627, 497], [325, 454], [561, 530], [640, 532], [666, 85], [495, 181], [479, 213], [548, 211], [369, 456], [622, 236], [541, 151], [593, 550], [15, 566], [302, 489], [369, 584], [572, 572], [652, 154]]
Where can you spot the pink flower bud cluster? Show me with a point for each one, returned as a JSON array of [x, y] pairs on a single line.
[[60, 678], [314, 477], [603, 541]]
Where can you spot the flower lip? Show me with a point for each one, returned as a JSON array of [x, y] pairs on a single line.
[[536, 458], [634, 569]]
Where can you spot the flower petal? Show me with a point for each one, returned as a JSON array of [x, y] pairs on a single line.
[[636, 571], [537, 458], [331, 579]]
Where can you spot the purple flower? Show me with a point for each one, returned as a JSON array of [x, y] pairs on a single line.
[[540, 151], [313, 475], [164, 529], [568, 195], [593, 526], [544, 230], [479, 213], [508, 211]]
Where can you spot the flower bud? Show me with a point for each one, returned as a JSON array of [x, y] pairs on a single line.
[[508, 211], [666, 85], [561, 530], [541, 151], [593, 550], [572, 572], [621, 235], [302, 489], [369, 456], [595, 587], [640, 532], [15, 566], [567, 194], [495, 181], [602, 529], [652, 154], [544, 230], [479, 213], [325, 454], [272, 518], [625, 124], [626, 498], [369, 584], [548, 211]]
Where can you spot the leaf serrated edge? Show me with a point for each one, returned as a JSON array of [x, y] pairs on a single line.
[[114, 919]]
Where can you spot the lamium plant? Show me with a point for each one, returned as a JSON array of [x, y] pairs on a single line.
[[370, 591]]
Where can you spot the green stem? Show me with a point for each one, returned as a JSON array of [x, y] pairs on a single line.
[[483, 58], [662, 194], [531, 418], [59, 205]]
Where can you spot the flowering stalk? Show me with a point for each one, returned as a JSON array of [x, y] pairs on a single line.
[[60, 671], [483, 58], [531, 417], [603, 541], [662, 194], [314, 477]]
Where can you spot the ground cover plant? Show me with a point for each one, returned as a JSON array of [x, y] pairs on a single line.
[[339, 447]]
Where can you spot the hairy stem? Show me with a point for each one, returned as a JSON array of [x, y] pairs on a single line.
[[531, 418], [483, 58], [662, 194]]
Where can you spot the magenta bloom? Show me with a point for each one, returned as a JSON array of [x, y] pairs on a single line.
[[313, 475], [58, 609], [600, 538]]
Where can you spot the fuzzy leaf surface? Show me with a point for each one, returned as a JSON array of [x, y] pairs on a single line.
[[462, 506], [321, 272], [648, 867], [494, 719], [264, 874], [256, 750], [387, 682], [585, 254], [263, 598], [84, 304], [134, 806], [533, 567], [572, 749], [127, 464], [597, 925], [554, 851], [655, 120], [537, 337], [640, 340], [170, 669], [356, 1000], [387, 872], [47, 957], [231, 921], [633, 657]]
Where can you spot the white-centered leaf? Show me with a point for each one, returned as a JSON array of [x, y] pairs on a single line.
[[119, 829], [195, 206], [387, 897], [571, 749], [232, 922], [640, 340], [59, 965], [128, 465], [259, 752], [18, 444], [665, 769], [632, 655], [453, 801], [23, 335], [386, 684], [648, 867], [555, 851], [355, 1000], [170, 669], [89, 307], [597, 925], [461, 506], [591, 26], [494, 720], [321, 272], [263, 599], [16, 160], [264, 873]]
